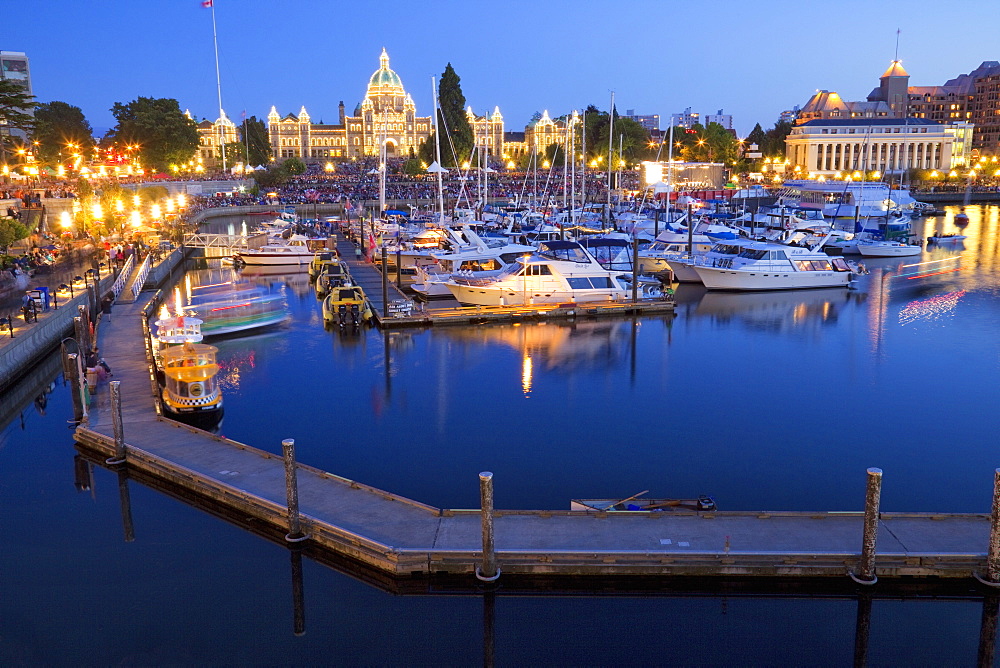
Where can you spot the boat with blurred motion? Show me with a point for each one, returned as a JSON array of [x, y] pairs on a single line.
[[238, 308]]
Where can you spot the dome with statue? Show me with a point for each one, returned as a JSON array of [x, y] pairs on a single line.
[[385, 81]]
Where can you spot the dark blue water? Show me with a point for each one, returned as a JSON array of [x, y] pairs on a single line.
[[764, 401]]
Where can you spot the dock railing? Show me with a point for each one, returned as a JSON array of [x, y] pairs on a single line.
[[140, 278], [123, 276]]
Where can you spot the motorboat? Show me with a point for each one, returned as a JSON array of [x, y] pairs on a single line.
[[346, 306], [887, 248], [295, 251], [319, 260], [238, 309], [558, 272], [675, 242], [332, 275], [480, 262], [683, 265], [944, 239], [768, 266]]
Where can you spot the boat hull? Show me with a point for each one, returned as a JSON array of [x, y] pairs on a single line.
[[471, 295], [275, 259], [684, 272], [716, 278], [875, 250]]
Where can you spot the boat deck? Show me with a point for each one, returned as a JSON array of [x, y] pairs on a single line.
[[403, 537]]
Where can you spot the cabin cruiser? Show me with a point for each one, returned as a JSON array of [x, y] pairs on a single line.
[[480, 262], [295, 252], [558, 272], [768, 266], [675, 244]]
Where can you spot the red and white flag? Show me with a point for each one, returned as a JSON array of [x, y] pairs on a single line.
[[206, 3]]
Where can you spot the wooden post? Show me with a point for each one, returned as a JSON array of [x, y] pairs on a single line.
[[126, 503], [80, 334], [993, 557], [635, 269], [385, 287], [489, 624], [116, 423], [76, 387], [690, 223], [873, 495], [294, 534], [488, 572]]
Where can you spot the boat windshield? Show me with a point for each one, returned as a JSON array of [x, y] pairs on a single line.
[[727, 249], [566, 251], [762, 254]]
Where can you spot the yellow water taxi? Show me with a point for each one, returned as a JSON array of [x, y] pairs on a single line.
[[346, 306], [191, 393], [320, 260]]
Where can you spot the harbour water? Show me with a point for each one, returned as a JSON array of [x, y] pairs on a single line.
[[765, 401]]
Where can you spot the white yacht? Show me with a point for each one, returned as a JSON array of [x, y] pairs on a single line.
[[480, 262], [886, 248], [767, 266], [558, 272], [683, 265], [295, 251], [673, 244]]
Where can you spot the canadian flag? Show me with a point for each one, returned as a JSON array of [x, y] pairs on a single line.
[[206, 3]]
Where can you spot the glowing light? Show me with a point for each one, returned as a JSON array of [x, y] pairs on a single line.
[[154, 212], [119, 206], [136, 219], [136, 200], [64, 220], [97, 211]]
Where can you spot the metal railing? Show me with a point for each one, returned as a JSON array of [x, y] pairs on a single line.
[[123, 275], [224, 241], [140, 278]]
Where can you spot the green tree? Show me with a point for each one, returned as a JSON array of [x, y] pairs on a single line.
[[58, 124], [235, 153], [294, 166], [273, 176], [15, 105], [164, 134], [629, 141], [412, 167], [457, 139], [10, 231], [773, 145], [253, 134]]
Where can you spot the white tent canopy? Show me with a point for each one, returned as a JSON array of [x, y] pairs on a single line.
[[436, 168]]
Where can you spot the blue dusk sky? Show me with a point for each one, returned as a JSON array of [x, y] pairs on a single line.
[[751, 59]]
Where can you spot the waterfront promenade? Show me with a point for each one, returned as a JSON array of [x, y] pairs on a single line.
[[402, 537]]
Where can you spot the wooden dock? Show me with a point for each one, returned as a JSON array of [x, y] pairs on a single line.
[[401, 537], [369, 277]]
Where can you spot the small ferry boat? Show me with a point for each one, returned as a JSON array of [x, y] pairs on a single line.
[[558, 272], [346, 306], [768, 266], [191, 393], [238, 309]]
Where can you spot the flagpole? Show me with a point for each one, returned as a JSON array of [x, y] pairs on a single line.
[[218, 83]]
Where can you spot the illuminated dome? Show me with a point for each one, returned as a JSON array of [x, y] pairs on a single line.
[[385, 81]]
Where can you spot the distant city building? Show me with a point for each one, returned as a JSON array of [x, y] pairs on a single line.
[[544, 132], [386, 116], [14, 67], [649, 121], [686, 119], [725, 120], [789, 115], [212, 136]]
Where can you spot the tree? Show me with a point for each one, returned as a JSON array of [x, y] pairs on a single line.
[[412, 167], [774, 139], [630, 140], [10, 231], [15, 105], [273, 176], [164, 134], [235, 153], [58, 124], [294, 166], [257, 145], [457, 142]]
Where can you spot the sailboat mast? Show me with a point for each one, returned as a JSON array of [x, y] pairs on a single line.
[[218, 83], [437, 151], [611, 144]]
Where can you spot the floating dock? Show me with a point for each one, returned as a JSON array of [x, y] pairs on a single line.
[[401, 537], [369, 277]]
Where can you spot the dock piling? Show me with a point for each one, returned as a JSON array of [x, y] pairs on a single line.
[[294, 534], [76, 386], [488, 571], [116, 423], [873, 495], [993, 558], [298, 593]]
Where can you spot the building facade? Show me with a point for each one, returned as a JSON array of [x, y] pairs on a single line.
[[825, 146], [725, 120], [685, 119], [212, 136], [386, 116], [487, 131], [14, 67]]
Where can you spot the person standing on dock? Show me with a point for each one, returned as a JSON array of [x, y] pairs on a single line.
[[106, 305]]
